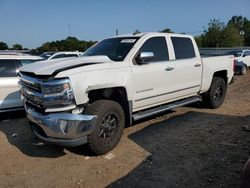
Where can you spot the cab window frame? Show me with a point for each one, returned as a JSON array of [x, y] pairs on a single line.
[[180, 49], [153, 61]]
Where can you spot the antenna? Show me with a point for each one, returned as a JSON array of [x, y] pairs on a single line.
[[116, 32], [69, 31]]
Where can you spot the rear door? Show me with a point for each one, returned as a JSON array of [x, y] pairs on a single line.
[[9, 92], [188, 67]]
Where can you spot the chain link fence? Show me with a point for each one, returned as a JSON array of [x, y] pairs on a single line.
[[220, 51]]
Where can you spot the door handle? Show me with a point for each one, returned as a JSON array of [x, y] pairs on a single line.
[[197, 65], [169, 68]]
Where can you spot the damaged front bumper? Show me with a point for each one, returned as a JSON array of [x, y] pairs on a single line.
[[64, 129]]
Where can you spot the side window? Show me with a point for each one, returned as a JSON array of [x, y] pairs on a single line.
[[158, 46], [22, 62], [58, 56], [183, 47], [71, 55], [8, 68], [27, 61], [247, 53]]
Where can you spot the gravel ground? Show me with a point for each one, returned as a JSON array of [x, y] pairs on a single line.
[[188, 147]]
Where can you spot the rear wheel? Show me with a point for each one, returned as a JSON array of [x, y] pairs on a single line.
[[109, 125], [215, 96]]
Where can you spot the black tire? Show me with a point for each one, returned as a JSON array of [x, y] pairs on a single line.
[[215, 96], [109, 126], [243, 70]]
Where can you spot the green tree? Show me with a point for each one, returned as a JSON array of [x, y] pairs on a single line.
[[238, 22], [167, 30], [230, 37], [68, 44], [17, 47], [136, 32], [3, 46], [198, 40], [217, 34], [243, 25], [212, 36], [247, 34]]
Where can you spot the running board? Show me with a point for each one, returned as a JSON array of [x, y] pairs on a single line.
[[12, 109], [164, 108]]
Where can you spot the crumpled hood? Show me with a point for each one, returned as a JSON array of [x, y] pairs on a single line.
[[53, 66]]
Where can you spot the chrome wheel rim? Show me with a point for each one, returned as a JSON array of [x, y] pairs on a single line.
[[108, 128], [218, 93]]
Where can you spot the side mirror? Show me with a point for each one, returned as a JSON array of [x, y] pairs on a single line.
[[144, 57]]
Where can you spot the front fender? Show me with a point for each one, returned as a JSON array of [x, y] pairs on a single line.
[[88, 81]]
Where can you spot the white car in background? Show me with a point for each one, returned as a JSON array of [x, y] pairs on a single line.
[[57, 55], [244, 57], [10, 63]]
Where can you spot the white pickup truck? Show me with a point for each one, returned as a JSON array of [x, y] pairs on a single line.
[[119, 80]]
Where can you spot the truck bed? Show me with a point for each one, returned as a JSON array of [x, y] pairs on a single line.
[[220, 63]]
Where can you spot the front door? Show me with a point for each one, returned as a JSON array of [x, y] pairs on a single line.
[[153, 81]]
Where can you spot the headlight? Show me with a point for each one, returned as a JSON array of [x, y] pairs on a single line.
[[57, 94], [53, 90]]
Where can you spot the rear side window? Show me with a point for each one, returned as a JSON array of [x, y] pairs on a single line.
[[58, 56], [183, 47], [158, 46], [8, 68], [71, 55]]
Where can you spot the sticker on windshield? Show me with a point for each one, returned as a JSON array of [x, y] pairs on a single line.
[[128, 40]]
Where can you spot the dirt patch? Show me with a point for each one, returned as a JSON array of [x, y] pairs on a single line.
[[188, 147]]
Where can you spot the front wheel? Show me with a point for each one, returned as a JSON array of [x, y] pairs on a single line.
[[109, 125], [243, 70], [215, 96]]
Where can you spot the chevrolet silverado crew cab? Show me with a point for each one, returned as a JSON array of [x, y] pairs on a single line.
[[119, 80]]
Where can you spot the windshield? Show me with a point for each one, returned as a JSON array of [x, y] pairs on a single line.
[[46, 55], [115, 48], [238, 54]]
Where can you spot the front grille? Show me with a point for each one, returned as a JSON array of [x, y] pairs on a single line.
[[32, 92], [37, 108], [34, 87]]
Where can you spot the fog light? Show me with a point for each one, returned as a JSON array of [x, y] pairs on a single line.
[[64, 126], [77, 111]]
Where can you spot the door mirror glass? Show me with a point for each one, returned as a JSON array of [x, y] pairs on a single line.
[[144, 57]]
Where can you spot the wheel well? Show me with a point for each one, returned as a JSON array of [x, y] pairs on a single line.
[[221, 74], [117, 94]]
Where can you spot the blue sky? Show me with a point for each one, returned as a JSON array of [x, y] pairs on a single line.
[[33, 22]]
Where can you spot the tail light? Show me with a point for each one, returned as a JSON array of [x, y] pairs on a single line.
[[234, 64]]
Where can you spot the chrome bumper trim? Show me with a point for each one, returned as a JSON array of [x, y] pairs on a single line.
[[62, 125]]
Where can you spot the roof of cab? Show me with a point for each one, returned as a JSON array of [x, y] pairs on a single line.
[[151, 33]]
